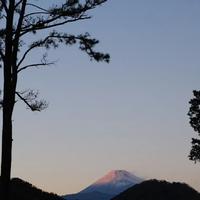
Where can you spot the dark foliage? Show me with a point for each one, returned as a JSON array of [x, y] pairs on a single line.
[[194, 115], [21, 190], [159, 190], [30, 18]]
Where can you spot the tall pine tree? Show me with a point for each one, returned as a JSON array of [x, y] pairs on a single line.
[[22, 19]]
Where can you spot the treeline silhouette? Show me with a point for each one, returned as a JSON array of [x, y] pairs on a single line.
[[159, 190], [21, 190]]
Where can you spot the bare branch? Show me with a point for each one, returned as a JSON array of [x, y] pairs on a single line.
[[36, 13], [35, 65], [38, 7], [32, 46]]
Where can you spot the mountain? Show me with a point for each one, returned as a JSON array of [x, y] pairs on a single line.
[[107, 187], [159, 190], [89, 196], [25, 191], [113, 183]]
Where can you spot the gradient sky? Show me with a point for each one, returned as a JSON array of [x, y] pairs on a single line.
[[130, 114]]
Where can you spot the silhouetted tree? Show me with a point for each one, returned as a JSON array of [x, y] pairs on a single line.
[[194, 115], [20, 21]]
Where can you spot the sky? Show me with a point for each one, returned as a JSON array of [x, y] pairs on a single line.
[[129, 114]]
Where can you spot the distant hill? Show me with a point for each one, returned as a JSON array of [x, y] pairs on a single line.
[[107, 187], [159, 190], [21, 190]]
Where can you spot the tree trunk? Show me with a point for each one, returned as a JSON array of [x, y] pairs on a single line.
[[6, 155], [6, 144], [8, 105]]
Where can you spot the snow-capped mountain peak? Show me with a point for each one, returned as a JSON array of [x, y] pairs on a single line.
[[114, 182], [117, 177]]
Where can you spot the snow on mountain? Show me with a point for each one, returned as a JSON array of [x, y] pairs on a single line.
[[119, 177], [107, 187], [114, 182]]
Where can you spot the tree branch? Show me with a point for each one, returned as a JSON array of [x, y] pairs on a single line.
[[35, 65], [17, 34], [1, 101], [4, 5], [24, 100], [18, 3], [31, 102], [36, 13], [38, 7], [73, 10], [20, 21], [54, 38], [43, 26], [2, 55], [34, 45]]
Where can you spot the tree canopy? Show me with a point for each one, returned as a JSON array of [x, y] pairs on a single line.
[[27, 18], [194, 115]]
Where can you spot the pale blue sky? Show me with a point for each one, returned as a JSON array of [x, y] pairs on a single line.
[[130, 114]]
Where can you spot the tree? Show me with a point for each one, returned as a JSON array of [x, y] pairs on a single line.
[[20, 21], [194, 115]]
